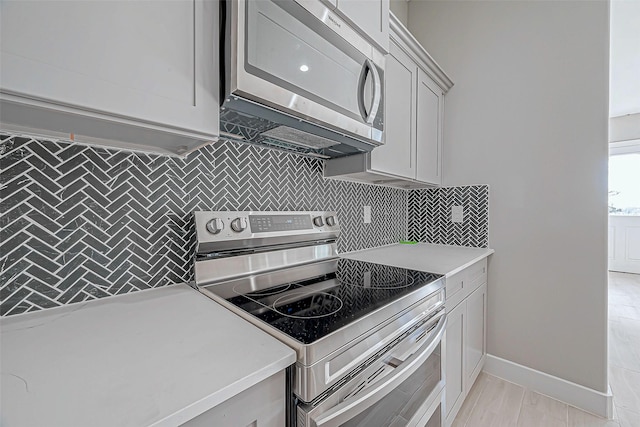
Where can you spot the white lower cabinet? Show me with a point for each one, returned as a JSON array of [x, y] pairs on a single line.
[[475, 348], [454, 390], [262, 405], [465, 350]]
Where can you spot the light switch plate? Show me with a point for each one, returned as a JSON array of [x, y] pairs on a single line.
[[457, 214], [367, 214]]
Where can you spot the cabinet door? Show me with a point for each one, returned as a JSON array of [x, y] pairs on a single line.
[[371, 17], [455, 379], [429, 130], [262, 405], [154, 62], [397, 155], [475, 344]]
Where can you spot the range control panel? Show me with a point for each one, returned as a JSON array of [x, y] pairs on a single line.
[[261, 223], [222, 230]]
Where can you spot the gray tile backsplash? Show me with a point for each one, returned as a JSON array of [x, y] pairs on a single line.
[[80, 222], [429, 213]]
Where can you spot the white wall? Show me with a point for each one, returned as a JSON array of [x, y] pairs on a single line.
[[400, 8], [528, 116]]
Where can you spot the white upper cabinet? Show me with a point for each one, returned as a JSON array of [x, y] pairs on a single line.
[[414, 107], [370, 16], [137, 74], [397, 155], [415, 87], [429, 112]]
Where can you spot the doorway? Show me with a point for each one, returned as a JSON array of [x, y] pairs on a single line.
[[624, 207]]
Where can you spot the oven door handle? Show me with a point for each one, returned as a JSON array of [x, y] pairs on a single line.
[[348, 409]]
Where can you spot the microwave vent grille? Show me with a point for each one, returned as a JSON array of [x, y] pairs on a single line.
[[298, 137], [252, 130]]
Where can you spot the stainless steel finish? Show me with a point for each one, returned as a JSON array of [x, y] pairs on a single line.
[[401, 363], [230, 240], [220, 269], [256, 283], [315, 367], [254, 96], [237, 262], [215, 225], [296, 136], [320, 364], [239, 224], [337, 25]]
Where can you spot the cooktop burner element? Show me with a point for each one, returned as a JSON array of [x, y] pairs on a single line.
[[266, 292], [307, 305], [308, 310]]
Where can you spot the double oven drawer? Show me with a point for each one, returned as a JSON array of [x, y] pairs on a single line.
[[401, 383]]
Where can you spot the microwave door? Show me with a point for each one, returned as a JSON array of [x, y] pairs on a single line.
[[294, 62]]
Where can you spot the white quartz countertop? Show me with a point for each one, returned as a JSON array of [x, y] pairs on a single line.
[[439, 259], [151, 358]]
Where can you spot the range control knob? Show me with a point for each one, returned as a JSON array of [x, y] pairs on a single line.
[[331, 221], [318, 221], [215, 226], [239, 224]]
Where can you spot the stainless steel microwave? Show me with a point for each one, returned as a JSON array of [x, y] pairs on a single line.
[[296, 77]]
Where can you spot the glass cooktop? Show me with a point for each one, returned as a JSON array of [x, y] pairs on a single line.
[[310, 302]]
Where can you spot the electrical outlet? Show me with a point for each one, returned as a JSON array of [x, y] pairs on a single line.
[[457, 214], [367, 214]]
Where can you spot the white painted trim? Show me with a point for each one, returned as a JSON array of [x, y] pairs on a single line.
[[624, 128], [581, 397], [624, 147], [403, 37]]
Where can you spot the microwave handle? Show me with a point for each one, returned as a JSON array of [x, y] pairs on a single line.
[[377, 91], [346, 410]]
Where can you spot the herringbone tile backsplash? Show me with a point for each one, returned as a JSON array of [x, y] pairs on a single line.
[[429, 213], [79, 222]]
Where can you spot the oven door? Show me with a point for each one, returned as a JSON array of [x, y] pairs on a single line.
[[404, 387], [299, 58]]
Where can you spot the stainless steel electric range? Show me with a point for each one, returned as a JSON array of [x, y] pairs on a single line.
[[368, 337]]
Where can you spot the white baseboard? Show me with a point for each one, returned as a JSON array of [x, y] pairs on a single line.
[[581, 397]]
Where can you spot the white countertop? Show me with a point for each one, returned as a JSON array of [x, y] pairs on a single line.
[[157, 357], [439, 259]]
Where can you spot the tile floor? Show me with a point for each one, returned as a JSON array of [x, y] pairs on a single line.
[[493, 402]]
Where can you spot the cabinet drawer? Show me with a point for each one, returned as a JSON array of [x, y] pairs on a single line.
[[462, 284]]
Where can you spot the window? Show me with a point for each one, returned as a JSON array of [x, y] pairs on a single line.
[[624, 180]]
